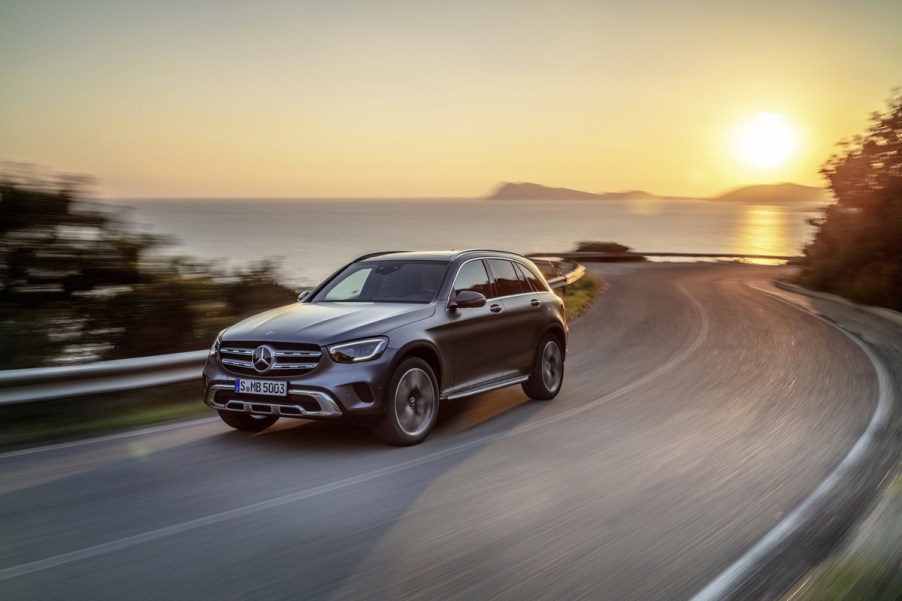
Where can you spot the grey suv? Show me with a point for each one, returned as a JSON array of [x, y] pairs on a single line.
[[388, 336]]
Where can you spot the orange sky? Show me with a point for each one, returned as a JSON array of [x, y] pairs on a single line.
[[392, 98]]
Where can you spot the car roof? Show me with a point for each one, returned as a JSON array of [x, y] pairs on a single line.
[[435, 255]]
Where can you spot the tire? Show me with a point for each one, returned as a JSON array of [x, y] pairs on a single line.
[[247, 422], [547, 370], [411, 404]]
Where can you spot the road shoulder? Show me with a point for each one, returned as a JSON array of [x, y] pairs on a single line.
[[868, 563]]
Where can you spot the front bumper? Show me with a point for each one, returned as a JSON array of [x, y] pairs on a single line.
[[327, 405], [331, 390]]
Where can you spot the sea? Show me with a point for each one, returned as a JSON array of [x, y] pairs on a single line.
[[310, 238]]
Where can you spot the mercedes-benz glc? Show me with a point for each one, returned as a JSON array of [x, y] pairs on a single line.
[[389, 336]]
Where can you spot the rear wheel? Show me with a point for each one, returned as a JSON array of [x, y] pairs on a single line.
[[411, 404], [247, 422], [547, 370]]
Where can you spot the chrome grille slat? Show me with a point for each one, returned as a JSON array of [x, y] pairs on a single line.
[[237, 363], [237, 351], [283, 366], [289, 359], [310, 354]]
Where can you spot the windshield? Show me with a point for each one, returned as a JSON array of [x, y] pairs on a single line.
[[396, 281]]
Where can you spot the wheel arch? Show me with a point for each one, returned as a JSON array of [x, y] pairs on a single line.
[[428, 353], [557, 331]]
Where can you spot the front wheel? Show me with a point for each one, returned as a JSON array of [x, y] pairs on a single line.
[[547, 370], [247, 422], [411, 404]]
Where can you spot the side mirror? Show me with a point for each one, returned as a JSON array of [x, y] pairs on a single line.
[[467, 299], [303, 295]]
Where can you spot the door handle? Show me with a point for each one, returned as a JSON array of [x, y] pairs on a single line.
[[535, 302], [495, 308]]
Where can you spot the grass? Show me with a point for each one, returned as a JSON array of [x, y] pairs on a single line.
[[871, 567], [579, 295], [855, 579], [77, 417]]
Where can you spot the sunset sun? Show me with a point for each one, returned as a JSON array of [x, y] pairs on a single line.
[[767, 141]]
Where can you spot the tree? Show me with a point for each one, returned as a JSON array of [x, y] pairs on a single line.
[[77, 285], [857, 250]]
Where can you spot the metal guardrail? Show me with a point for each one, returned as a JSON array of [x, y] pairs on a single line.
[[562, 281], [46, 383]]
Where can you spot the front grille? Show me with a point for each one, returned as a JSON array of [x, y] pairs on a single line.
[[288, 358]]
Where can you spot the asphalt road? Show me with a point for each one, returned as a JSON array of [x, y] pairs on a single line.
[[696, 412]]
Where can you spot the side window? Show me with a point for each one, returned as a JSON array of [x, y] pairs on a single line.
[[472, 276], [524, 285], [349, 288], [506, 279], [534, 281]]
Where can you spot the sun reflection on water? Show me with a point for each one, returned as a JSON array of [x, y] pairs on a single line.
[[763, 230]]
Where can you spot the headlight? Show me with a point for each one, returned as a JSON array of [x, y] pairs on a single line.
[[359, 350], [215, 348]]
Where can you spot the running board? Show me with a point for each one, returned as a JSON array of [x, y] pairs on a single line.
[[486, 387]]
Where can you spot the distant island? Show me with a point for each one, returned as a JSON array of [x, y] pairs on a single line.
[[774, 194], [763, 194], [527, 191]]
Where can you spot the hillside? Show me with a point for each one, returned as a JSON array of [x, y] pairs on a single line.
[[758, 194], [774, 194], [528, 191]]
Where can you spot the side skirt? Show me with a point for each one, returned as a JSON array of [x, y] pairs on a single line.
[[485, 387]]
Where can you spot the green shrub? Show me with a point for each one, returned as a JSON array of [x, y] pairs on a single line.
[[601, 247]]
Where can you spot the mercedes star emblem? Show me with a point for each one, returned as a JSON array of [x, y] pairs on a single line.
[[262, 358]]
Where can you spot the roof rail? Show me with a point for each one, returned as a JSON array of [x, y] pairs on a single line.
[[486, 250], [371, 255], [456, 252]]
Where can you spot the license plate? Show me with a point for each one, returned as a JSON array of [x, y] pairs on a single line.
[[264, 387]]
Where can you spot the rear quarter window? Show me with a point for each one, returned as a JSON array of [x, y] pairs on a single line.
[[507, 281], [536, 283]]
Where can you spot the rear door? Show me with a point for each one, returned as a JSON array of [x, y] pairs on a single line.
[[521, 309]]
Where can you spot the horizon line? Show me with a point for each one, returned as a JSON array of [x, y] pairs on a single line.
[[488, 197]]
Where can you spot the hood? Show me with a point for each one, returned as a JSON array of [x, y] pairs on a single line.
[[326, 323]]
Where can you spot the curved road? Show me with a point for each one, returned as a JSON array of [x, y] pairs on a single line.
[[696, 412]]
